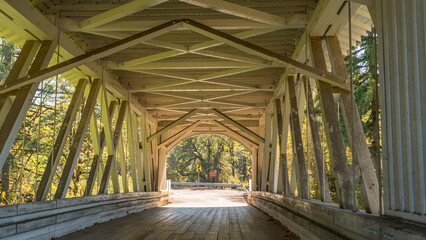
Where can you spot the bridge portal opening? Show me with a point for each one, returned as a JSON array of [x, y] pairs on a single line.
[[209, 158]]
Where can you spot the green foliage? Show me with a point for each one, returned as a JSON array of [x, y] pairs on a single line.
[[8, 55], [212, 152]]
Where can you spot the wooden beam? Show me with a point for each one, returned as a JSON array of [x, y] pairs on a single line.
[[296, 21], [94, 134], [118, 12], [31, 20], [239, 11], [13, 121], [106, 120], [114, 177], [266, 152], [91, 56], [253, 49], [302, 174], [253, 143], [146, 169], [369, 182], [132, 149], [273, 170], [282, 138], [196, 49], [19, 68], [336, 145], [238, 125], [165, 142], [154, 159], [96, 166], [24, 60], [173, 124], [316, 142], [61, 139], [103, 189], [177, 140], [123, 166], [75, 148], [147, 59], [163, 65], [139, 164]]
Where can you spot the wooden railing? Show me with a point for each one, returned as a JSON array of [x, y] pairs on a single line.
[[203, 184]]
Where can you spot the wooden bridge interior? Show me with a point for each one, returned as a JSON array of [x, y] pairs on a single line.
[[161, 71]]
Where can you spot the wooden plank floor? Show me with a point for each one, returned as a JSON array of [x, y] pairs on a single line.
[[194, 214]]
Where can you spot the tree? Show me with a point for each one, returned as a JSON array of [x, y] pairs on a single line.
[[212, 152]]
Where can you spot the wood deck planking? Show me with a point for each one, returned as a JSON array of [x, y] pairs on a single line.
[[224, 216]]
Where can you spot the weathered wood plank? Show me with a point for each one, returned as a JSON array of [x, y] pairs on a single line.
[[238, 125], [359, 146], [173, 124], [75, 148], [336, 145], [24, 96], [146, 171], [316, 142], [96, 166], [302, 174], [112, 158], [60, 141], [283, 184]]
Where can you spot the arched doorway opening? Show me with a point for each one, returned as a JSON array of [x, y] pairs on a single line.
[[209, 158]]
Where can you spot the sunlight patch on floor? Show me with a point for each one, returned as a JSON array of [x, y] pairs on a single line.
[[195, 198]]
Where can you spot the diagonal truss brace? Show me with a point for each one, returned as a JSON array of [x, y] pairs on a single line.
[[238, 125], [266, 54], [172, 125], [91, 56]]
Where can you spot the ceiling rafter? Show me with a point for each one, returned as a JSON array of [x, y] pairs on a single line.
[[204, 99], [118, 12], [91, 56], [186, 80], [264, 53], [240, 11], [199, 48]]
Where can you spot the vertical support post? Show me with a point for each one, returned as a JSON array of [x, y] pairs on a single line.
[[302, 175], [336, 145], [273, 171], [154, 160], [138, 152], [97, 158], [161, 168], [114, 176], [132, 150], [75, 148], [282, 137], [61, 139], [103, 189], [123, 166], [145, 159], [260, 153], [254, 164], [267, 152]]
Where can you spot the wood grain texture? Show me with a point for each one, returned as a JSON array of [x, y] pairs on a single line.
[[223, 214]]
